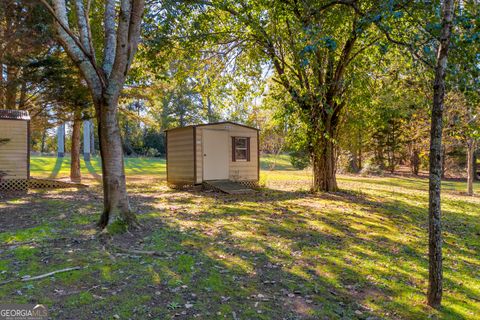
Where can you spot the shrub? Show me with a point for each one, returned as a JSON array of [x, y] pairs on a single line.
[[151, 152], [371, 169], [299, 159]]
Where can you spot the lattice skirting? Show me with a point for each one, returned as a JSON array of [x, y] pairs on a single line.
[[179, 185], [249, 184], [13, 185], [10, 185], [52, 184], [253, 184]]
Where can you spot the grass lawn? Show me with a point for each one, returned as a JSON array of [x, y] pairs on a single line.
[[53, 167], [281, 254]]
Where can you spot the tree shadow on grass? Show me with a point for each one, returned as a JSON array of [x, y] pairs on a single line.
[[380, 217], [56, 168], [289, 255], [92, 170]]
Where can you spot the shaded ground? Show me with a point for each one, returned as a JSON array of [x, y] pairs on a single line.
[[281, 254]]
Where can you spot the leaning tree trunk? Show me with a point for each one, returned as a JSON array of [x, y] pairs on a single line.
[[75, 174], [115, 199], [470, 166], [434, 295]]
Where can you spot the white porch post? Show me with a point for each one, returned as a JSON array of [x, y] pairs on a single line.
[[86, 140], [61, 141]]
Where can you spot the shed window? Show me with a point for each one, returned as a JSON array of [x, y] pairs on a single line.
[[240, 149]]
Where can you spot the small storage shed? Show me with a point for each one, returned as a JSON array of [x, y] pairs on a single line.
[[213, 151], [14, 150]]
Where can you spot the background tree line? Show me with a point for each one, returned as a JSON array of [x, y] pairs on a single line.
[[210, 72]]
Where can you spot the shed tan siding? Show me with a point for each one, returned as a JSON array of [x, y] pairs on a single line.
[[180, 156], [14, 153], [239, 170]]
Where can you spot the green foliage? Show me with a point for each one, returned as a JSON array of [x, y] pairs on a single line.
[[61, 85], [300, 159]]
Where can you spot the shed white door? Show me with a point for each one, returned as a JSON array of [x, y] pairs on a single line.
[[215, 154]]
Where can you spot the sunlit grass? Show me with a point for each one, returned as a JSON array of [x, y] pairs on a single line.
[[53, 167], [280, 253]]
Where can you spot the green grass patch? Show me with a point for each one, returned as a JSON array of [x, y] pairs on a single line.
[[280, 253], [80, 299], [29, 234], [53, 167]]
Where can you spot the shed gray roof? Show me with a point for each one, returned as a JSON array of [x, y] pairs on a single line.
[[214, 123], [14, 114]]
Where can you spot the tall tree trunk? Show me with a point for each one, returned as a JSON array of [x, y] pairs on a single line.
[[323, 157], [11, 88], [475, 166], [393, 148], [210, 116], [23, 96], [470, 166], [116, 204], [75, 174], [360, 147], [121, 35], [127, 146], [434, 295], [444, 161], [2, 87], [44, 137], [415, 161]]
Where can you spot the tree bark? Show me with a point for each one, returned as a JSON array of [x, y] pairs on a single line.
[[23, 96], [75, 174], [393, 147], [475, 166], [360, 147], [415, 162], [444, 161], [470, 166], [44, 137], [121, 33], [210, 115], [434, 295], [323, 157], [115, 200], [11, 88], [2, 86]]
